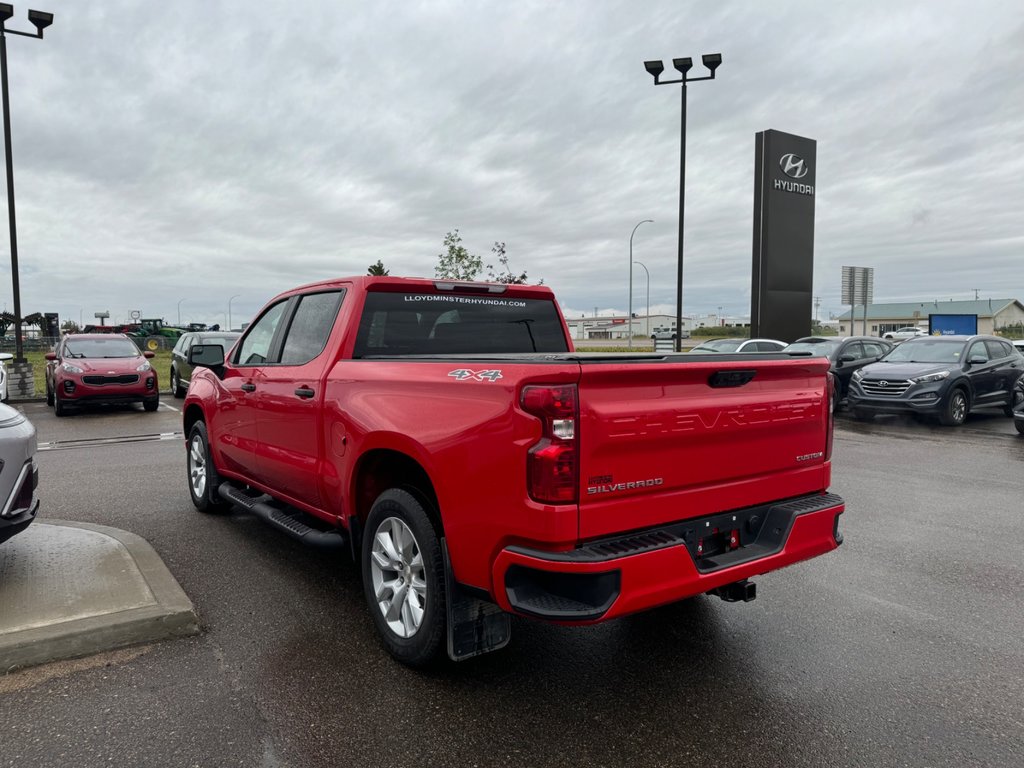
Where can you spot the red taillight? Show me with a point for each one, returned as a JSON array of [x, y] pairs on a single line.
[[833, 395], [551, 472]]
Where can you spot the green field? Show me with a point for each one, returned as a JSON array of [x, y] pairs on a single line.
[[162, 364]]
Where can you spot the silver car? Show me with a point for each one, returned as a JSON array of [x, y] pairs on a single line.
[[18, 473]]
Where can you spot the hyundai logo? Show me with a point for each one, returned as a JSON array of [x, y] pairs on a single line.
[[793, 166], [883, 383]]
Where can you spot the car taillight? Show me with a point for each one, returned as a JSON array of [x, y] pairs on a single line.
[[551, 466], [832, 405]]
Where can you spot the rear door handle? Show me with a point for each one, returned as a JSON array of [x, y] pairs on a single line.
[[247, 387], [304, 392]]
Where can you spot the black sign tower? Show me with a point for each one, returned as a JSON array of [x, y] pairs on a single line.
[[785, 174]]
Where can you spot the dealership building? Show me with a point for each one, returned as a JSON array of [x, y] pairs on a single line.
[[992, 314]]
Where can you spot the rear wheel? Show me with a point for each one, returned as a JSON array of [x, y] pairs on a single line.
[[403, 578], [176, 388], [954, 413], [203, 479]]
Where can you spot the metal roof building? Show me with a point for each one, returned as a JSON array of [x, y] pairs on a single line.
[[882, 318]]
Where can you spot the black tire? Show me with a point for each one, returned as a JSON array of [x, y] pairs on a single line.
[[954, 410], [428, 638], [199, 462], [176, 388], [49, 396], [1019, 424], [151, 404], [1008, 409], [59, 407], [859, 414]]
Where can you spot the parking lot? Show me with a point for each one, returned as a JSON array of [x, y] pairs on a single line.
[[901, 648]]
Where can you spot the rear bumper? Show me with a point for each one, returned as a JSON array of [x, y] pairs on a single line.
[[614, 577]]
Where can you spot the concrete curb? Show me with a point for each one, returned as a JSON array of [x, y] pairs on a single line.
[[171, 614]]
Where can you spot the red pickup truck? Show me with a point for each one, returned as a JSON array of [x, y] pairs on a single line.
[[477, 467]]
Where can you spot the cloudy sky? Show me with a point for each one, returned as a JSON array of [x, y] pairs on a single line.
[[169, 156]]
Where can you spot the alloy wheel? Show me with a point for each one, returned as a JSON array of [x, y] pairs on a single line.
[[399, 578]]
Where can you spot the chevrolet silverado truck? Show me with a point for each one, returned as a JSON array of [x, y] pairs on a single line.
[[476, 467]]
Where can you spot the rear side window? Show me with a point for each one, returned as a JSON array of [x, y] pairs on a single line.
[[310, 327], [446, 324]]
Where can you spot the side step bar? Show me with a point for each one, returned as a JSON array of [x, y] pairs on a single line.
[[290, 521]]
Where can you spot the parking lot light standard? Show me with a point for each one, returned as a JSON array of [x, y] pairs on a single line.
[[40, 20], [711, 62], [629, 320]]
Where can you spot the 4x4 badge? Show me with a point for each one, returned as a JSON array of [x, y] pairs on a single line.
[[464, 374]]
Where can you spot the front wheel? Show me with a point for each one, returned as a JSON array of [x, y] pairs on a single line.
[[59, 408], [955, 411], [49, 396], [403, 578], [202, 475], [152, 404], [1019, 424]]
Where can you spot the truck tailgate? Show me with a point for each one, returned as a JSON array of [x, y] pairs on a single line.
[[667, 440]]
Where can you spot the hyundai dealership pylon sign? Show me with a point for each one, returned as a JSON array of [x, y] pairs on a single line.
[[785, 173]]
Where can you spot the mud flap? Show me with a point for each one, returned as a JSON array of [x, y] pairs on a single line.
[[474, 626]]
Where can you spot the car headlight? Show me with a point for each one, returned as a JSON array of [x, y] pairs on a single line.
[[145, 367], [858, 375], [69, 368], [931, 377]]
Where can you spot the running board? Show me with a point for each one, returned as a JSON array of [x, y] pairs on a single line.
[[290, 521]]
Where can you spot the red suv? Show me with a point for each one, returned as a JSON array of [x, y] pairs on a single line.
[[99, 368]]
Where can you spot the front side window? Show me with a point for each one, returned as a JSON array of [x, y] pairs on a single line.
[[255, 347], [310, 327], [978, 351]]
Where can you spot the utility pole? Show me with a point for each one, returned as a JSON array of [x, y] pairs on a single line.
[[817, 305]]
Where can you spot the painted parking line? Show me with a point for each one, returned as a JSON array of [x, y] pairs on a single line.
[[171, 407], [64, 445]]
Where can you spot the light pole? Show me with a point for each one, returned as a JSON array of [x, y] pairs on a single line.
[[229, 309], [40, 20], [655, 68], [629, 319], [647, 311], [179, 312]]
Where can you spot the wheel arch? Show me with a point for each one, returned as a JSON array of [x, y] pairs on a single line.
[[192, 414], [383, 468]]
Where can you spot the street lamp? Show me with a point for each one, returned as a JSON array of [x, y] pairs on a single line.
[[179, 312], [647, 312], [655, 68], [630, 318], [40, 20], [229, 309]]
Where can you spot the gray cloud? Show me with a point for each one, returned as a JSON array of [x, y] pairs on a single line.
[[197, 150]]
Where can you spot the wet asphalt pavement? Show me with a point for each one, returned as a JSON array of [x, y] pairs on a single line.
[[904, 647]]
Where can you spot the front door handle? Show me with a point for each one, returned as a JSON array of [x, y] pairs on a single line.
[[304, 392], [248, 387]]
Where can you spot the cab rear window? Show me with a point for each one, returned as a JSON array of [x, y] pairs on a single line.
[[446, 324]]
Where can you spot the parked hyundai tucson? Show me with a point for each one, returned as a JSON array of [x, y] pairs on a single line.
[[942, 376]]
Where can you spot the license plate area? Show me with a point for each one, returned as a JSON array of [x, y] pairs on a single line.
[[727, 539]]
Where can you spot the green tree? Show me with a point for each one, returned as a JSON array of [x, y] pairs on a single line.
[[69, 326], [378, 269], [457, 263], [506, 275]]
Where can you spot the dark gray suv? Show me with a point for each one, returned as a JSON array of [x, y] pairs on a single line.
[[943, 376]]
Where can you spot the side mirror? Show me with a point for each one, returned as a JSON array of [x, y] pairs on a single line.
[[847, 359], [50, 356], [148, 355], [977, 360], [206, 355]]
